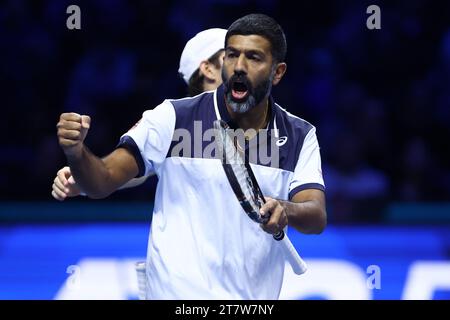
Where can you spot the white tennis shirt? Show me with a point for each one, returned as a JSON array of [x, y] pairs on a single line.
[[202, 245]]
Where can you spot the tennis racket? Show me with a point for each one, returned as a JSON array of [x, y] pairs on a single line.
[[246, 188]]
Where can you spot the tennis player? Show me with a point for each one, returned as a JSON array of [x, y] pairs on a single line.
[[202, 245], [200, 67]]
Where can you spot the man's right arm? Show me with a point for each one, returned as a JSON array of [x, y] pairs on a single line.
[[97, 177]]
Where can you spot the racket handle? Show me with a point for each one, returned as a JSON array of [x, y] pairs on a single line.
[[291, 255]]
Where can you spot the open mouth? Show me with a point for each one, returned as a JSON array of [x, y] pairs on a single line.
[[239, 90]]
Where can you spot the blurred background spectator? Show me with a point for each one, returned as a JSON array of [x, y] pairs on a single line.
[[380, 99]]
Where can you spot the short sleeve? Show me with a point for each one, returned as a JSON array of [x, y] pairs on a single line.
[[308, 170], [149, 140]]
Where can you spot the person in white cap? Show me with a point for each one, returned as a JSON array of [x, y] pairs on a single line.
[[201, 61], [200, 67]]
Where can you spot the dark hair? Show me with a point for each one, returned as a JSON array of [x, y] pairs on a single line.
[[262, 25], [195, 85]]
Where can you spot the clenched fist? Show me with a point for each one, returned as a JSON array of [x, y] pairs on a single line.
[[278, 218], [72, 130]]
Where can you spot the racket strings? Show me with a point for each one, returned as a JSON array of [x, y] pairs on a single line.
[[237, 163]]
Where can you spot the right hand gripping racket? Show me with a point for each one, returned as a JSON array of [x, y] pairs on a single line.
[[246, 188]]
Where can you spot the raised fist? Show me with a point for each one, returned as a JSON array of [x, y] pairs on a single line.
[[72, 130]]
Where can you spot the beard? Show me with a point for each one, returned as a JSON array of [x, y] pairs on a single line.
[[253, 94]]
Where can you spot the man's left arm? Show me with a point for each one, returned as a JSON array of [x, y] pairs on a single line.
[[306, 212]]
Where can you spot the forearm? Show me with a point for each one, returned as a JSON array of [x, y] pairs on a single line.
[[91, 174], [307, 217]]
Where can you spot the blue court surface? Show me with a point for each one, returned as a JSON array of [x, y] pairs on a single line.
[[96, 261]]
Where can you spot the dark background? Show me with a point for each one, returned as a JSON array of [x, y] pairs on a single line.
[[380, 99]]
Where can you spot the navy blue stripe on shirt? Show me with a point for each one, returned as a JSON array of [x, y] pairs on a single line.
[[304, 187], [129, 144]]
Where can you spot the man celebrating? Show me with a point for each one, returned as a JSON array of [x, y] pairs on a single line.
[[202, 246], [200, 67]]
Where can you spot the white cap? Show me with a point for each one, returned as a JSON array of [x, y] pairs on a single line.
[[200, 48]]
